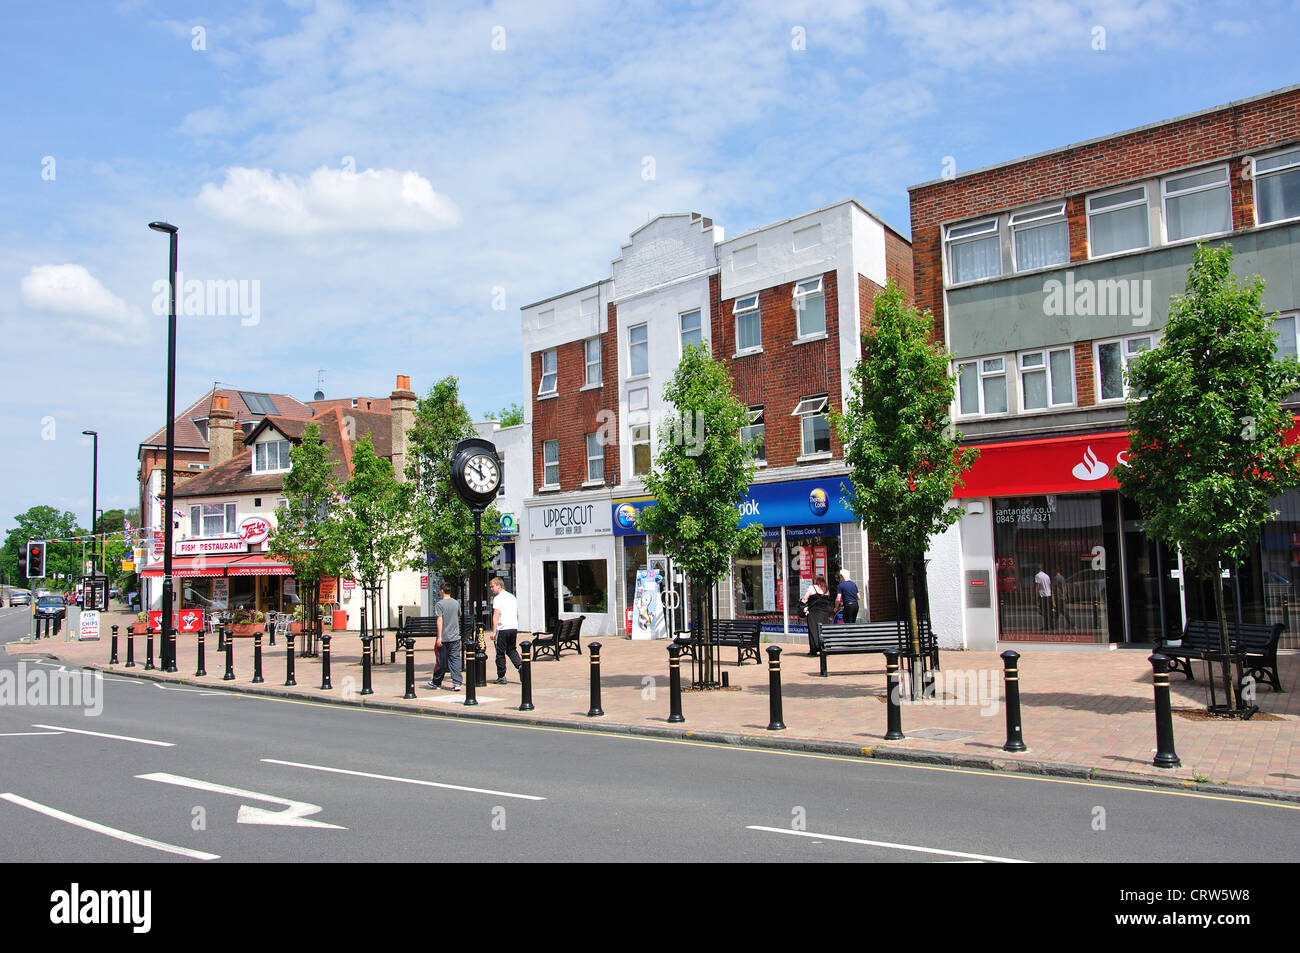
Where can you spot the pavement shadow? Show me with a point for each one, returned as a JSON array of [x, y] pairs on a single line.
[[1101, 704]]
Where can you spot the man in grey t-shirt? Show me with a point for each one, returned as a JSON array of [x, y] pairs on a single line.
[[447, 612]]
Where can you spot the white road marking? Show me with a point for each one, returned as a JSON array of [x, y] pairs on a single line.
[[295, 814], [387, 777], [881, 843], [109, 831], [27, 734], [193, 691], [101, 734]]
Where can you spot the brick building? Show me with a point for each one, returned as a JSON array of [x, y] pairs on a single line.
[[1045, 276], [782, 306]]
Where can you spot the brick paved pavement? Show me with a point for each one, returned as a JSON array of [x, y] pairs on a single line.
[[1083, 708]]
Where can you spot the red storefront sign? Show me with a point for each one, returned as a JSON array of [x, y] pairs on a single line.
[[191, 620]]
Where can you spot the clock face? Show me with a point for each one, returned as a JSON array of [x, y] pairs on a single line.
[[481, 474]]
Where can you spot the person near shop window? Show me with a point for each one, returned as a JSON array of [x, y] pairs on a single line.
[[846, 597], [819, 605], [1044, 583], [1059, 595]]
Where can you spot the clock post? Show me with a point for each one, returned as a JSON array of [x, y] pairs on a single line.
[[475, 476]]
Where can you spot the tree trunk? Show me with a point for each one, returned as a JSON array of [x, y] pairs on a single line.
[[700, 596], [1229, 690]]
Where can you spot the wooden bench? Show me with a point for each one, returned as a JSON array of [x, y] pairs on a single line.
[[742, 634], [567, 635], [867, 638], [1257, 643]]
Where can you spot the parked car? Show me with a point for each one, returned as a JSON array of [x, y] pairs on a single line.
[[51, 607], [20, 597]]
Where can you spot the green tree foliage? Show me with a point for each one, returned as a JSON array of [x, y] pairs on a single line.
[[307, 533], [374, 518], [43, 522], [700, 476], [508, 416], [443, 524], [899, 445], [1207, 447]]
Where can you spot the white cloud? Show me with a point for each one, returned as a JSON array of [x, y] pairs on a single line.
[[329, 200], [84, 305]]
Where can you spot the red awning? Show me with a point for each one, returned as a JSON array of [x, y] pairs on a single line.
[[233, 564]]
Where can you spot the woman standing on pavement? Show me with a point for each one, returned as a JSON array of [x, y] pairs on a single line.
[[819, 604]]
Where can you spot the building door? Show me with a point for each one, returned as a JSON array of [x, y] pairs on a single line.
[[551, 595], [1151, 594]]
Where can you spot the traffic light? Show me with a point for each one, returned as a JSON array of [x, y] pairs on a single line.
[[36, 559]]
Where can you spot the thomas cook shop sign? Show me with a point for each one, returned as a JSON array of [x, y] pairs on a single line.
[[563, 520]]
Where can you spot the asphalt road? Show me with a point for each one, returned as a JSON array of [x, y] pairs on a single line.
[[205, 776]]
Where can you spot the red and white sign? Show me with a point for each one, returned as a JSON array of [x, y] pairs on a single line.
[[254, 529], [424, 582], [89, 623], [157, 543], [629, 621], [350, 584], [1054, 465], [209, 547], [191, 620], [155, 619]]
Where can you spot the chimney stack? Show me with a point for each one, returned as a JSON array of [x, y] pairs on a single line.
[[221, 431], [402, 404]]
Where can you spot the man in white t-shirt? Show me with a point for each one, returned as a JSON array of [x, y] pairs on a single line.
[[505, 628], [1044, 583]]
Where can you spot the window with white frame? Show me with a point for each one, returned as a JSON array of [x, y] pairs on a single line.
[[271, 457], [640, 449], [501, 487], [1277, 187], [810, 306], [551, 463], [1047, 379], [974, 251], [691, 329], [550, 373], [815, 425], [749, 323], [1112, 360], [592, 349], [1040, 237], [982, 386], [1117, 221], [754, 434], [638, 349], [1285, 328], [1197, 204], [595, 459], [212, 519]]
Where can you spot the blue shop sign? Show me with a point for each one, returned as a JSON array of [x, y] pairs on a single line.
[[795, 503]]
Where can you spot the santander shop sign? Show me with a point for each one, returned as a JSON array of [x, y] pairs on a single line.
[[1055, 465]]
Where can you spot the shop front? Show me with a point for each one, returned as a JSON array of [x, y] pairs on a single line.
[[571, 565], [807, 532], [226, 582]]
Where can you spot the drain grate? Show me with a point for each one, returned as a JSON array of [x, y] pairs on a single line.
[[941, 734]]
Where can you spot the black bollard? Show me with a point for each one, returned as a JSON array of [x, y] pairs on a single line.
[[221, 640], [471, 689], [480, 661], [112, 659], [894, 721], [130, 647], [675, 684], [410, 669], [365, 665], [325, 683], [289, 679], [526, 676], [1015, 740], [257, 658], [776, 715], [595, 711], [230, 657], [203, 664], [148, 651], [1165, 757]]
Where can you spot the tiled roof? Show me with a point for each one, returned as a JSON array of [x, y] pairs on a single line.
[[188, 435], [378, 405]]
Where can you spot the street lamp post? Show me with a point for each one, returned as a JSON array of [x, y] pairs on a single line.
[[168, 633], [94, 496]]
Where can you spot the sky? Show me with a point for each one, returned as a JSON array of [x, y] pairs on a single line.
[[375, 189]]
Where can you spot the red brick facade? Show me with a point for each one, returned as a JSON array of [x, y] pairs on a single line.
[[573, 412], [784, 373]]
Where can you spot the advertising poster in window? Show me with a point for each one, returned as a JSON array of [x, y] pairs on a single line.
[[329, 591], [769, 579], [647, 608], [221, 593]]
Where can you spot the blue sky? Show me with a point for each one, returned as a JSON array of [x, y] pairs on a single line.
[[382, 169]]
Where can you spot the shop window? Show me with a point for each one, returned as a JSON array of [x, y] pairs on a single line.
[[810, 306], [1112, 360], [1117, 221], [815, 425], [755, 434], [974, 251], [1197, 204], [1047, 379], [982, 386], [1277, 187], [758, 581], [812, 552], [584, 588]]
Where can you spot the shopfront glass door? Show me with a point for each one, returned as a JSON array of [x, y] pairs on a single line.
[[1151, 592]]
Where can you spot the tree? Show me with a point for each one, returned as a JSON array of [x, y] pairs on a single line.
[[1208, 451], [306, 532], [443, 524], [899, 445], [374, 520], [510, 416], [62, 558], [699, 478]]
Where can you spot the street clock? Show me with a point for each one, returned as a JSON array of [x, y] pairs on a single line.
[[476, 472]]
